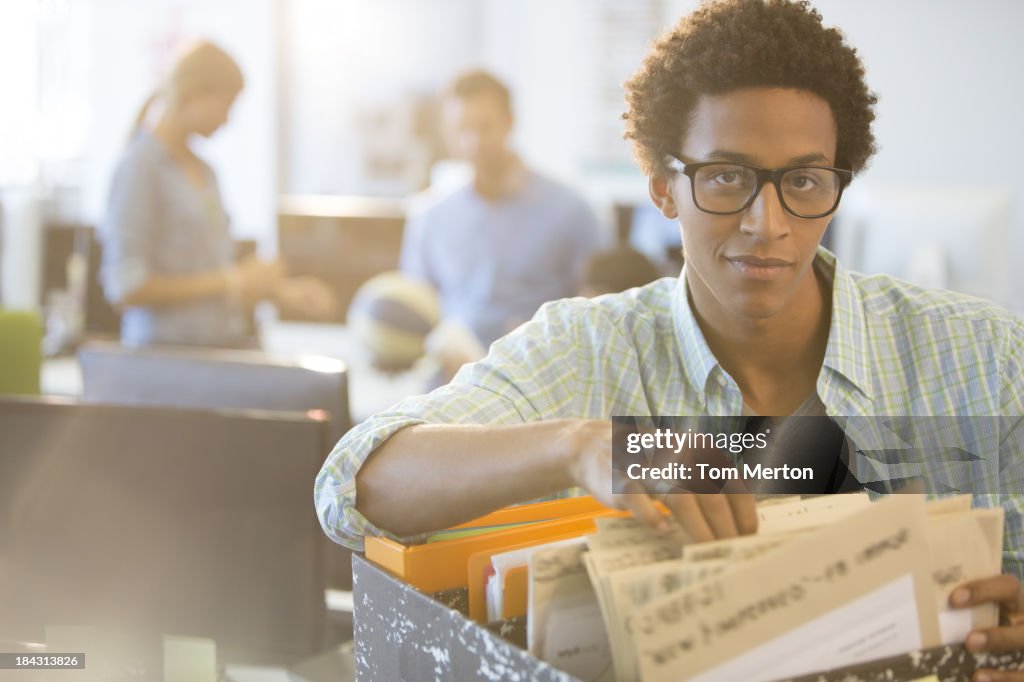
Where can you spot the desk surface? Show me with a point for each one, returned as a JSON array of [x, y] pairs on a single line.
[[370, 390]]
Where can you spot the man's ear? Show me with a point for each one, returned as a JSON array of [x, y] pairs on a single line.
[[660, 190]]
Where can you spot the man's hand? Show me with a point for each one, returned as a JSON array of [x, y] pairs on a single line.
[[1004, 590], [306, 296], [704, 516], [254, 279], [714, 516]]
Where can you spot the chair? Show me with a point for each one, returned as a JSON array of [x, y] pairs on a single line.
[[221, 379], [215, 378], [153, 520]]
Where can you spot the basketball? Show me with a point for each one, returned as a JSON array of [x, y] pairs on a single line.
[[390, 316]]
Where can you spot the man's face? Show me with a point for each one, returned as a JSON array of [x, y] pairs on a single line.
[[477, 129], [753, 263]]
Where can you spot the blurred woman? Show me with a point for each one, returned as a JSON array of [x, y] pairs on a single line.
[[168, 259]]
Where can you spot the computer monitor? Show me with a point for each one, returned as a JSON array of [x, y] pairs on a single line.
[[215, 378], [955, 238], [172, 521], [343, 241]]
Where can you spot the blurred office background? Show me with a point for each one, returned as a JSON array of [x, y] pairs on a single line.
[[340, 101], [337, 131]]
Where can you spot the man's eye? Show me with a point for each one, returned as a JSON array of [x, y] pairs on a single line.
[[802, 182]]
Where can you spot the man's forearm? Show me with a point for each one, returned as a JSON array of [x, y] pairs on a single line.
[[429, 477]]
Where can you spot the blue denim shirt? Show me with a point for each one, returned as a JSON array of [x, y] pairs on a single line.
[[495, 262]]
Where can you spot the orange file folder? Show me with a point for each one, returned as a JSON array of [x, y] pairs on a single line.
[[444, 565], [537, 511]]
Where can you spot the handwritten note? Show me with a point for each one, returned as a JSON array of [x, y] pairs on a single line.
[[697, 628], [632, 588], [808, 513], [738, 549]]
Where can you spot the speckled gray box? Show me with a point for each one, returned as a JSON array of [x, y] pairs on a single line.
[[404, 634]]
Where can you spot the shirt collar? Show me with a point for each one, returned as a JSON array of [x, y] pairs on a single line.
[[846, 352], [698, 360]]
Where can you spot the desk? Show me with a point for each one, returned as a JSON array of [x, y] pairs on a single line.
[[334, 665], [61, 376], [370, 390]]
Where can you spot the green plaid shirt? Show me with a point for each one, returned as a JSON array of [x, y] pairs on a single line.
[[893, 349]]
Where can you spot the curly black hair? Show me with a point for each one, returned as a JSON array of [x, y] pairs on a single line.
[[733, 44]]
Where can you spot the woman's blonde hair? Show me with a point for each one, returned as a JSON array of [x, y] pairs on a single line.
[[201, 67]]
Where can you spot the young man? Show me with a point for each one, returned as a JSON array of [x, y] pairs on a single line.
[[750, 118], [510, 240]]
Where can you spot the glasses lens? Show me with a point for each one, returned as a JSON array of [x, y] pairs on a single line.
[[810, 191], [723, 188]]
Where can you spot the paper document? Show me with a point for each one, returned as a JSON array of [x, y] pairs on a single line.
[[879, 624], [699, 628], [565, 627]]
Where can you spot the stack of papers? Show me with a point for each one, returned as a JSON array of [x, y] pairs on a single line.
[[826, 582]]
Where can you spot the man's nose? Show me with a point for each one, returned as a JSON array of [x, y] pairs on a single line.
[[765, 218]]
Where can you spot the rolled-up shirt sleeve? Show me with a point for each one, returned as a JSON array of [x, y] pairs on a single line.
[[127, 228], [528, 375]]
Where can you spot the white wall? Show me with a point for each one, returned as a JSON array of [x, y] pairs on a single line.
[[19, 234], [19, 85], [950, 103], [343, 57]]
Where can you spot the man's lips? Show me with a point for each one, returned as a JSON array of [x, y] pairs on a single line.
[[760, 262], [757, 267]]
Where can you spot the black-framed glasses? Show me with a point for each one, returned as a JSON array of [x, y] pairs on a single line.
[[725, 188]]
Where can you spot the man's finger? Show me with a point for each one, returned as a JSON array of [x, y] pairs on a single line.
[[718, 513], [686, 510], [996, 639], [1003, 589], [744, 510], [642, 506], [736, 486]]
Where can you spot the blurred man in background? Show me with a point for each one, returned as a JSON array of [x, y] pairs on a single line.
[[508, 241]]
